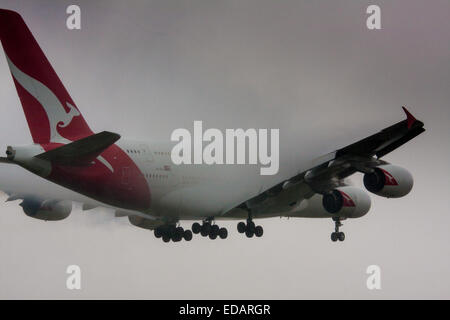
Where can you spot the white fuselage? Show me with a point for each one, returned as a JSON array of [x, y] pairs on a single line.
[[198, 191]]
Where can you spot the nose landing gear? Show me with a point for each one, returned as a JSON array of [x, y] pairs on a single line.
[[336, 235]]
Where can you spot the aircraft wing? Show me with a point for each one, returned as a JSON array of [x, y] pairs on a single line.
[[329, 170]]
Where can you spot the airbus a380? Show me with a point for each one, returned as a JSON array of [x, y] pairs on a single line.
[[139, 180]]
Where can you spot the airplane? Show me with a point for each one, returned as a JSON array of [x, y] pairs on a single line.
[[138, 179]]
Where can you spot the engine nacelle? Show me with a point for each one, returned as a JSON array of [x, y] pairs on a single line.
[[48, 210], [389, 181], [348, 202]]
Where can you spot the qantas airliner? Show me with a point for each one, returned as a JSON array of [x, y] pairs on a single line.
[[139, 180]]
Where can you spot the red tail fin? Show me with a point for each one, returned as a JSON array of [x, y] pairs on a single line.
[[51, 114]]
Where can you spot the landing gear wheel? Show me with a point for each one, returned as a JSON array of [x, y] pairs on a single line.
[[241, 227], [166, 238], [158, 232], [187, 235], [206, 228], [341, 236], [196, 228], [214, 229], [178, 234], [249, 233], [223, 233], [334, 237], [259, 231], [212, 235]]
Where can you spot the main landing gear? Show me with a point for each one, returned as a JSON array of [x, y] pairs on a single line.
[[336, 235], [172, 232], [207, 229], [250, 229]]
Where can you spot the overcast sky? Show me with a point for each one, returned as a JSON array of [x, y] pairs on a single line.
[[310, 68]]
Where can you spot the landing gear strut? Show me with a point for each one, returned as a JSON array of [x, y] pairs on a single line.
[[250, 229], [172, 232], [208, 229], [336, 235]]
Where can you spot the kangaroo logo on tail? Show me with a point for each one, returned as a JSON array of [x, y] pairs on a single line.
[[57, 116], [71, 114]]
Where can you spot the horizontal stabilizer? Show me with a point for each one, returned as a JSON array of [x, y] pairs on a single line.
[[81, 152]]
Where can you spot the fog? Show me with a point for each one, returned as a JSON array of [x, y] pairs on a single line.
[[311, 69]]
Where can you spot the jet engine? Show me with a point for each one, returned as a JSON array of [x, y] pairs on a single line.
[[48, 210], [389, 181], [347, 202]]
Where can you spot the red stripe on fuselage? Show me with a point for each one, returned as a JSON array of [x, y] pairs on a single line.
[[125, 187]]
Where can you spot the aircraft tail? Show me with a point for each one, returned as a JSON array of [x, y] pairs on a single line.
[[51, 114]]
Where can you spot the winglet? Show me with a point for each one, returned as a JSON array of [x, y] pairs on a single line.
[[409, 117]]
